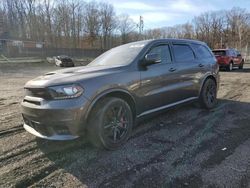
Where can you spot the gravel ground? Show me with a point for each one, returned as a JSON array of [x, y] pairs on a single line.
[[183, 147]]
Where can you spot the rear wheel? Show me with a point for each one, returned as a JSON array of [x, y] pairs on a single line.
[[110, 123], [208, 95]]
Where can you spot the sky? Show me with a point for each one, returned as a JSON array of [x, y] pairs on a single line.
[[162, 13]]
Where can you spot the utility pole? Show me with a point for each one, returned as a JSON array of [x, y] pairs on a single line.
[[221, 42], [1, 24], [141, 25]]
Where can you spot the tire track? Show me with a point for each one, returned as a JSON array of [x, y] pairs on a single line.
[[40, 166], [230, 139], [11, 131], [168, 122], [15, 157], [235, 92], [197, 131]]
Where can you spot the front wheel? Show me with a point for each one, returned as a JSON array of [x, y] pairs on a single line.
[[241, 65], [208, 95], [110, 123]]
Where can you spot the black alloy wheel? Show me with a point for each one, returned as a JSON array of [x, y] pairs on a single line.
[[115, 124], [208, 95], [111, 123]]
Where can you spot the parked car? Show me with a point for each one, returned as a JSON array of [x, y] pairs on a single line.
[[229, 58], [64, 61], [104, 99]]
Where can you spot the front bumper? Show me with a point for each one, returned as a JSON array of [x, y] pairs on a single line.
[[223, 64], [52, 137], [55, 119]]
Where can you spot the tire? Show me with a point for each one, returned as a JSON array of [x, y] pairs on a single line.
[[241, 65], [110, 123], [208, 94], [230, 67]]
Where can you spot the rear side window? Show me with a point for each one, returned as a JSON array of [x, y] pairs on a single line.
[[201, 51], [183, 52], [163, 52]]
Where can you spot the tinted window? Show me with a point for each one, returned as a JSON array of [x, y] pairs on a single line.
[[201, 51], [219, 52], [183, 52], [163, 52]]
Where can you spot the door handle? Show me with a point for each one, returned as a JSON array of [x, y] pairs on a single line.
[[201, 65], [172, 69]]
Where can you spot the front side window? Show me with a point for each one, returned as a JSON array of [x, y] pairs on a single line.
[[183, 52], [163, 53]]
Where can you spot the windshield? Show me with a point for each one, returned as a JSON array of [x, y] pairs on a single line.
[[121, 55]]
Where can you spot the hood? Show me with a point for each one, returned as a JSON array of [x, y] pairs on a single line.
[[71, 75]]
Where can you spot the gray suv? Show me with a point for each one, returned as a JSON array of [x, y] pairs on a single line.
[[104, 99]]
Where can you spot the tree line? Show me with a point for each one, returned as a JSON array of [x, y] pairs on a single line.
[[219, 29], [66, 23], [80, 24]]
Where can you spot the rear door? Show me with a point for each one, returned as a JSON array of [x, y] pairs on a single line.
[[190, 70]]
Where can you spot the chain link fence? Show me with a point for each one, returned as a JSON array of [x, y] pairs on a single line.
[[18, 51]]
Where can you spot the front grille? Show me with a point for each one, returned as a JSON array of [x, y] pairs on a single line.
[[38, 92]]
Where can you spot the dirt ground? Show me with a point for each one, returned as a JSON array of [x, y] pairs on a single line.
[[183, 147]]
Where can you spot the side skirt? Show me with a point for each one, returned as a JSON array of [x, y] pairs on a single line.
[[166, 106]]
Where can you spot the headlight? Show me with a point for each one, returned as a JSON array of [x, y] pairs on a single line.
[[66, 91]]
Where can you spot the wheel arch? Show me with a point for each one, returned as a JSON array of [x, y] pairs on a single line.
[[210, 76], [118, 93]]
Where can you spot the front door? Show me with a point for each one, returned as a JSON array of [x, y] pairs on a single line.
[[159, 82]]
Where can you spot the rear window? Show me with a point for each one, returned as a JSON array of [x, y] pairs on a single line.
[[183, 52], [220, 52], [201, 51]]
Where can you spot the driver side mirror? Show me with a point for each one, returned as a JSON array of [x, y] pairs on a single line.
[[151, 59]]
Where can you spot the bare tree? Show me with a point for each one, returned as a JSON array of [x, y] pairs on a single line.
[[237, 24], [108, 23], [153, 33], [90, 24], [125, 27], [92, 21]]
